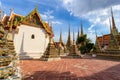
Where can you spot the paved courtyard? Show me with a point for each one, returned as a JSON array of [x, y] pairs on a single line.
[[71, 69]]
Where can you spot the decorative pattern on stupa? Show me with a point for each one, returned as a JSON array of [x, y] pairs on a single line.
[[9, 69]]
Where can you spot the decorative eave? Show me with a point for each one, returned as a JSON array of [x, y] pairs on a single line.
[[41, 23], [15, 20], [48, 28], [32, 25]]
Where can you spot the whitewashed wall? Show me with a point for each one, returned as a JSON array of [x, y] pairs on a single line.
[[26, 46]]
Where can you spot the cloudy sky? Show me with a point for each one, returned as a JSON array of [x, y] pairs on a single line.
[[94, 14]]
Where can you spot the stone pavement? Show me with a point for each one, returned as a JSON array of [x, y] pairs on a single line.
[[71, 69]]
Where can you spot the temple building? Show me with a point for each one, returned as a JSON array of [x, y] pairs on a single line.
[[31, 33], [110, 41]]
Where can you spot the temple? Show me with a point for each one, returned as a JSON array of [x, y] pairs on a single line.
[[110, 41], [31, 36]]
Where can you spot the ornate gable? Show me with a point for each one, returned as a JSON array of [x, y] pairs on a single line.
[[33, 19]]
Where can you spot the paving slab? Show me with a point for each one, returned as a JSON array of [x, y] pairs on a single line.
[[71, 69]]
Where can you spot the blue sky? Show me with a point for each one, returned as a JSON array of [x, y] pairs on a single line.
[[94, 14]]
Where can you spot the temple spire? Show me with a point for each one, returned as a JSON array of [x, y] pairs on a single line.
[[82, 32], [96, 34], [77, 36], [114, 30], [110, 26], [97, 45], [102, 40], [69, 42], [78, 33], [60, 39], [113, 22], [73, 37], [69, 37]]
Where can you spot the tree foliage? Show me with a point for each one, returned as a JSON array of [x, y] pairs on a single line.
[[85, 44]]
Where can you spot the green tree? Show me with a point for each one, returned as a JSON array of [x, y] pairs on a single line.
[[85, 44]]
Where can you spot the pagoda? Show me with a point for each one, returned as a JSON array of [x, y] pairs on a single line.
[[114, 41], [61, 45], [51, 53], [73, 49], [9, 69], [69, 41], [97, 47]]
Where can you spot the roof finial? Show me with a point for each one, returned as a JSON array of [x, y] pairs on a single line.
[[11, 10], [36, 7]]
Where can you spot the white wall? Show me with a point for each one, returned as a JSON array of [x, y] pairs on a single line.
[[25, 44]]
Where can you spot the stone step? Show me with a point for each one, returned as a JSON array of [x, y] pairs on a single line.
[[30, 55]]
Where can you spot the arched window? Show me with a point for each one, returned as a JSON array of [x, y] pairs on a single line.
[[32, 36]]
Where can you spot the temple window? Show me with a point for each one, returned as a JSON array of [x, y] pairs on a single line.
[[32, 36]]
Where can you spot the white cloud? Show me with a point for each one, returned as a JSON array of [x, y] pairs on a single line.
[[80, 7], [0, 4], [56, 22], [47, 15], [99, 20], [97, 12]]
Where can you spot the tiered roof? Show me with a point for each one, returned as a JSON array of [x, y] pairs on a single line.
[[32, 19]]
